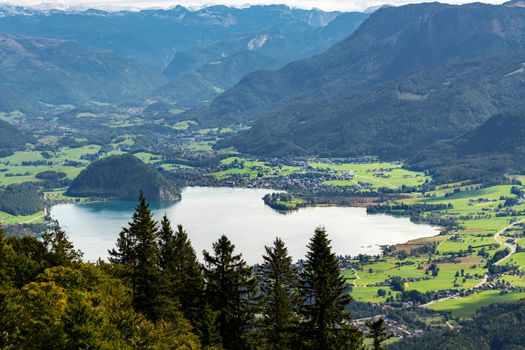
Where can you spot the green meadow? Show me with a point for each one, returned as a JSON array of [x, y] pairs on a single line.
[[466, 307]]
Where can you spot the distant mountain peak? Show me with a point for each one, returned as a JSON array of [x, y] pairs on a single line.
[[372, 9], [515, 3]]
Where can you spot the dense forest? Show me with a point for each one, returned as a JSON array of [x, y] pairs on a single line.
[[116, 177], [497, 327], [21, 200], [496, 147], [12, 139], [154, 294]]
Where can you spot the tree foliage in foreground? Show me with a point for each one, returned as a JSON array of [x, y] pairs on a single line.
[[281, 300], [154, 294], [325, 298], [230, 288]]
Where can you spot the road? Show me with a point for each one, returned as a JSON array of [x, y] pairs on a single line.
[[36, 218], [497, 237], [512, 247], [356, 277]]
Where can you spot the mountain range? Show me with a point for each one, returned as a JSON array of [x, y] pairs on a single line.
[[408, 77], [111, 57]]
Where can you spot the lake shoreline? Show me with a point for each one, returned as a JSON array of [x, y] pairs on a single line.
[[94, 226]]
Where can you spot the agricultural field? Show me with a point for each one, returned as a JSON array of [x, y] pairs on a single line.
[[374, 175], [487, 220], [8, 219], [252, 169], [24, 166], [466, 307], [371, 277]]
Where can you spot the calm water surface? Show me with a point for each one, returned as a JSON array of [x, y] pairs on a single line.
[[207, 212]]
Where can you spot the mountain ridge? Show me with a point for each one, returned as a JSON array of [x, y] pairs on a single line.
[[146, 43], [392, 44]]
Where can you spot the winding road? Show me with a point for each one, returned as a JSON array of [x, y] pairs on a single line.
[[512, 247], [497, 238]]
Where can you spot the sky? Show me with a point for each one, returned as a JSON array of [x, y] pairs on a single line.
[[327, 5]]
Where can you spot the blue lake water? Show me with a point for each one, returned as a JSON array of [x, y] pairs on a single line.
[[208, 212]]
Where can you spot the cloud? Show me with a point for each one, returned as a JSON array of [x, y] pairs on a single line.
[[328, 5]]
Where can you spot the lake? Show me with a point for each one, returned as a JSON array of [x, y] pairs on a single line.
[[208, 212]]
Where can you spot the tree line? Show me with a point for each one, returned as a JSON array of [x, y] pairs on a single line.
[[155, 294]]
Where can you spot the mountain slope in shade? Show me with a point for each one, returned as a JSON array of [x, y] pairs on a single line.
[[394, 119], [393, 73], [41, 70], [495, 147], [11, 138]]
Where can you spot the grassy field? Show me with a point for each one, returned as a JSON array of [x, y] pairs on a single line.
[[467, 307], [8, 219], [24, 166], [375, 175], [252, 169], [183, 125], [479, 213], [416, 269]]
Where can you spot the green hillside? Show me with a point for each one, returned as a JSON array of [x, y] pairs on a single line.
[[496, 147], [11, 138], [121, 177]]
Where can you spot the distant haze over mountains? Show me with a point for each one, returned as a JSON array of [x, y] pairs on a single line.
[[177, 55], [326, 5]]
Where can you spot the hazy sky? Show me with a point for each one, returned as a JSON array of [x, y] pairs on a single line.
[[343, 5]]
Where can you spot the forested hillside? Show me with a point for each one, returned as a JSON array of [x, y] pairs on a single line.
[[21, 200], [393, 119], [117, 177], [11, 138], [496, 147], [497, 327], [408, 76], [58, 71]]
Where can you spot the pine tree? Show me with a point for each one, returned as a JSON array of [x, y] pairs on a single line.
[[280, 301], [182, 272], [125, 252], [378, 333], [230, 288], [60, 249], [166, 244], [137, 249], [325, 299]]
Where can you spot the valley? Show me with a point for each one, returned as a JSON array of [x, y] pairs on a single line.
[[452, 273]]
